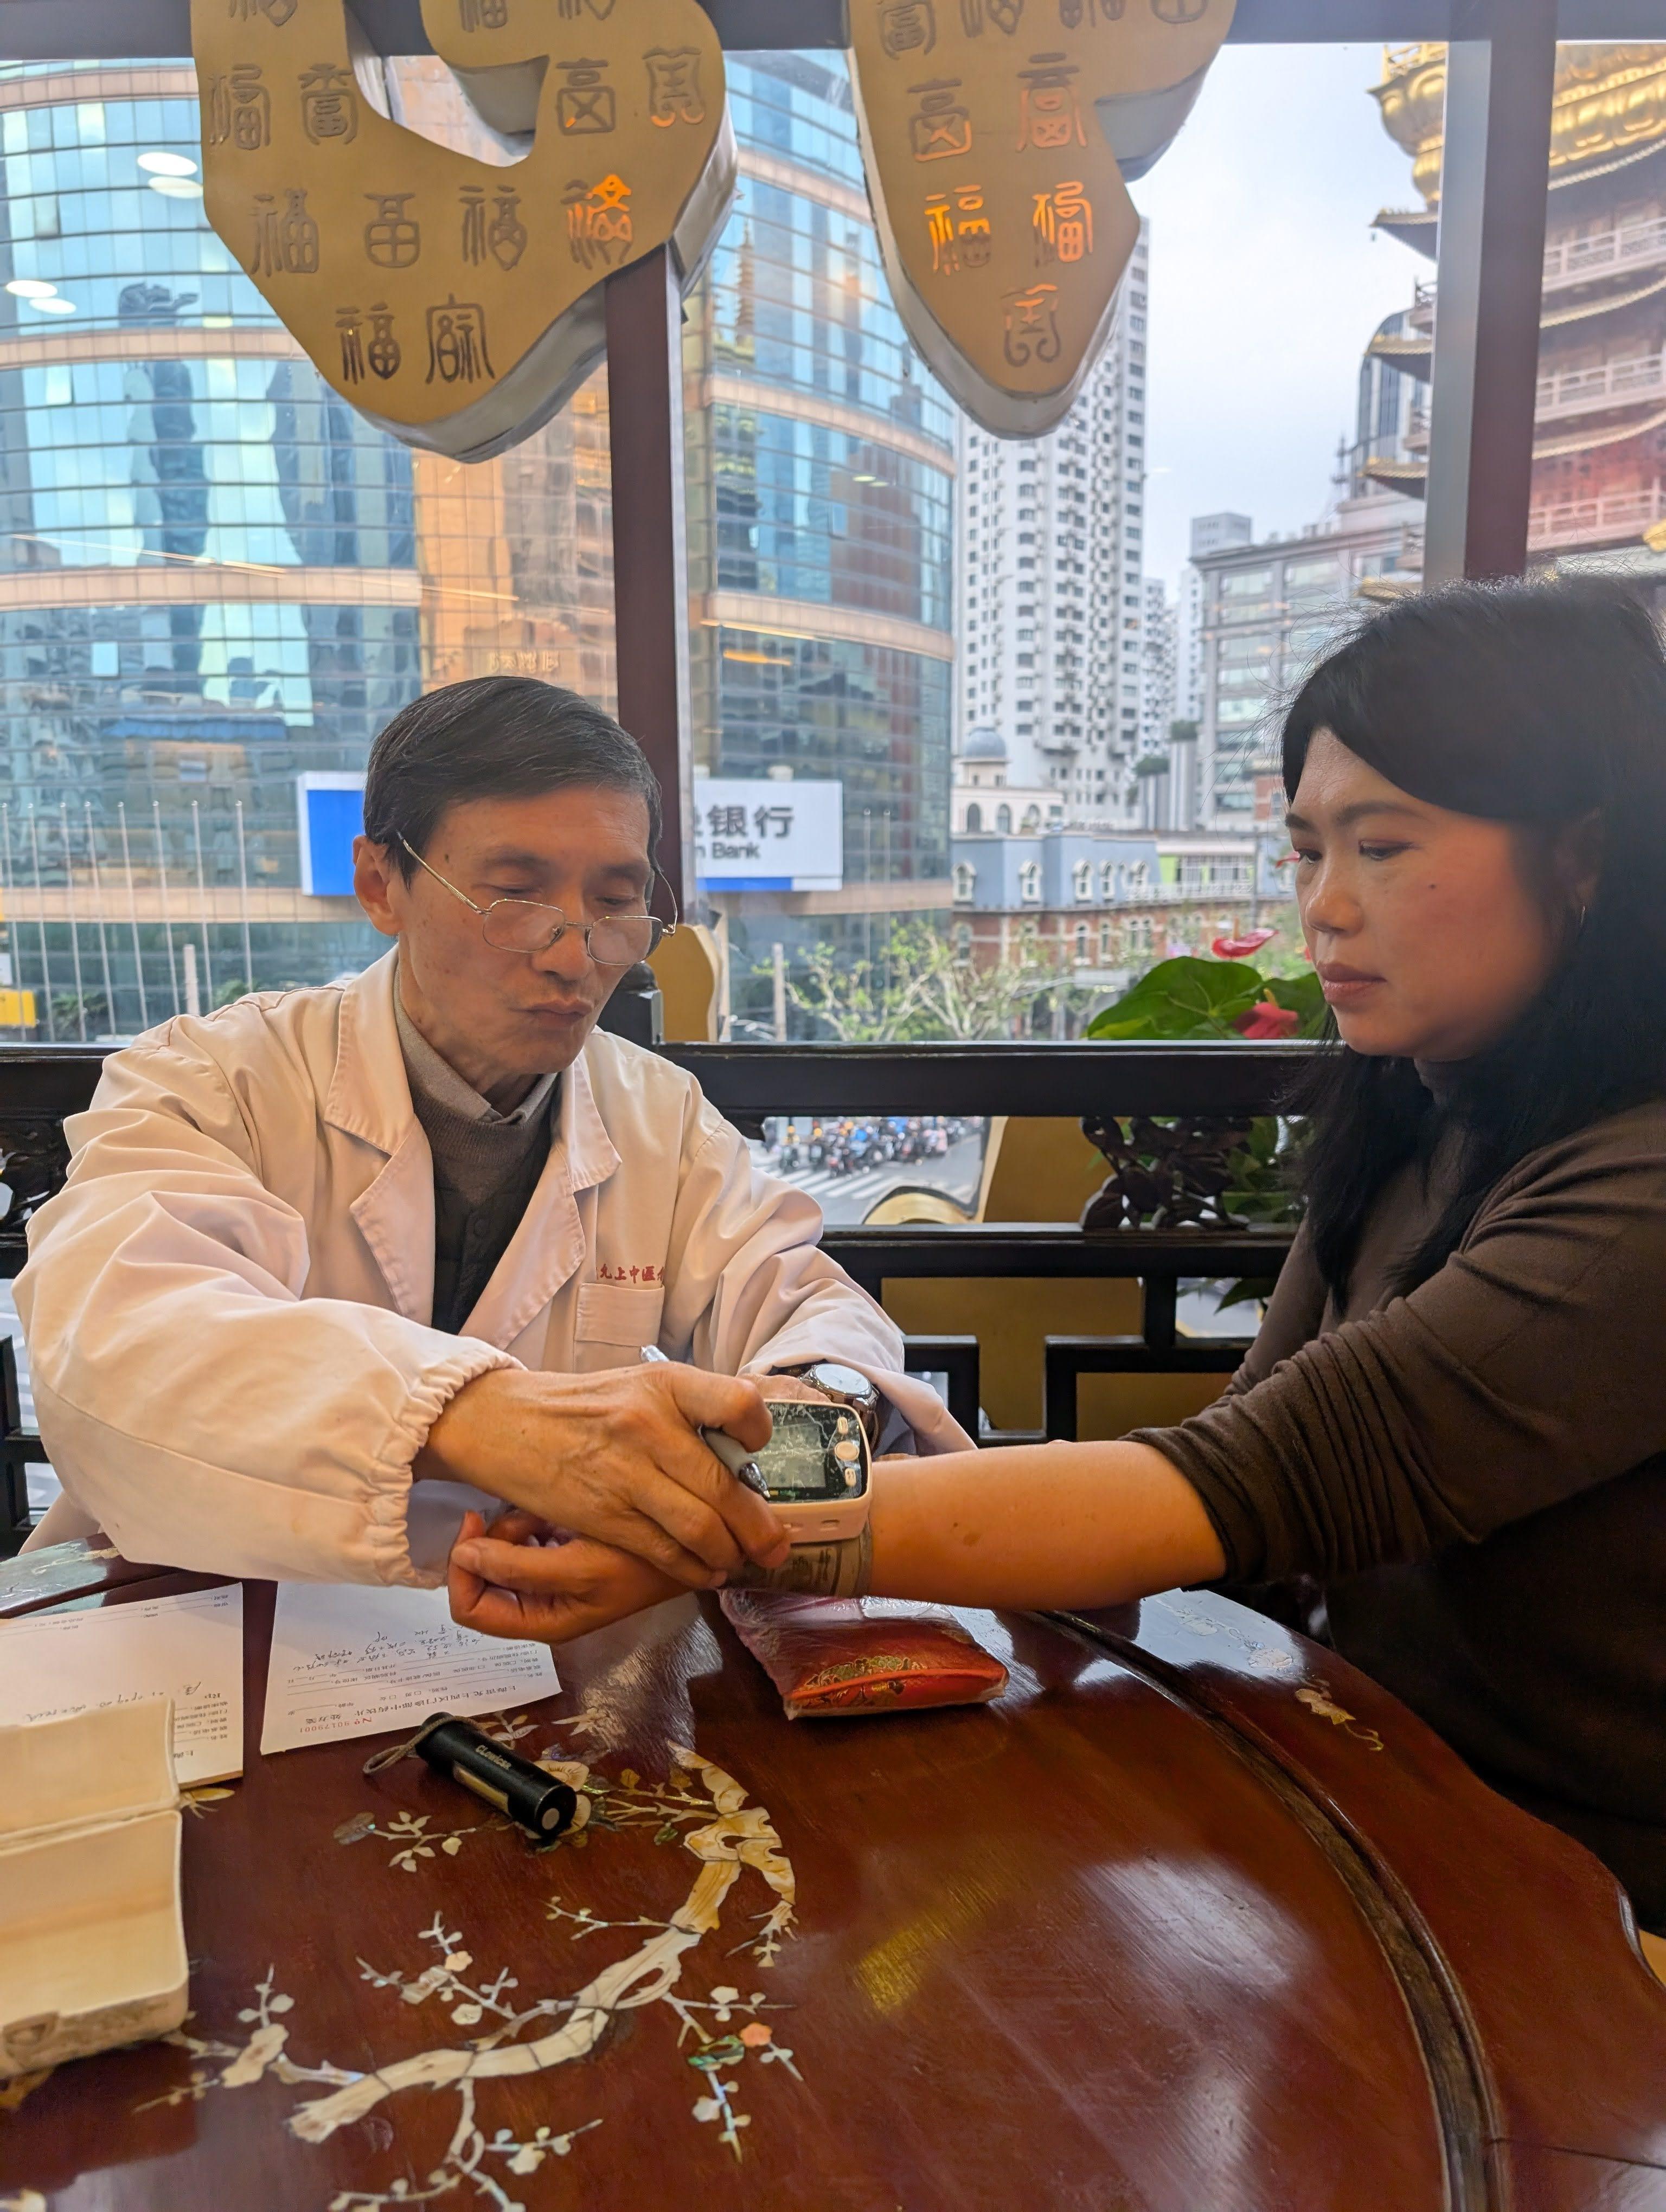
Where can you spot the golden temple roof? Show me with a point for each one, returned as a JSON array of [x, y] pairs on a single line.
[[1413, 353], [1609, 100]]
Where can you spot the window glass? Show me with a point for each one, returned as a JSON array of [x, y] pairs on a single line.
[[1243, 584], [1290, 359], [869, 574], [1312, 578], [1599, 473], [216, 578]]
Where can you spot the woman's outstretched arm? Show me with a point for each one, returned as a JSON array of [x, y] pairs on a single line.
[[1038, 1525]]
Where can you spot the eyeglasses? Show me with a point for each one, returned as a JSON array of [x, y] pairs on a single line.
[[514, 925]]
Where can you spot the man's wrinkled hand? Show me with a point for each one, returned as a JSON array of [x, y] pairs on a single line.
[[520, 1577], [617, 1457]]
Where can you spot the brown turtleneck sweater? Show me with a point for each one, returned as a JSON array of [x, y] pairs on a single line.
[[1477, 1473]]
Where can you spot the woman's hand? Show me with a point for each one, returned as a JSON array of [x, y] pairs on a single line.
[[521, 1577]]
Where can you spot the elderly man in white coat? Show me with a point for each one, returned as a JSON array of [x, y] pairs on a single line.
[[337, 1273]]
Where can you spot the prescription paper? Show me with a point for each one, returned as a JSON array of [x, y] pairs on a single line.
[[351, 1661], [189, 1649]]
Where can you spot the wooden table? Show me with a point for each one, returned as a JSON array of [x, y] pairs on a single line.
[[1194, 1919]]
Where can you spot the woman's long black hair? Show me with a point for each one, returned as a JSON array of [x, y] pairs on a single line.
[[1538, 704]]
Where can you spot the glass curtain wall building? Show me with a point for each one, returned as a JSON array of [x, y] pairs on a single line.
[[820, 489], [215, 579]]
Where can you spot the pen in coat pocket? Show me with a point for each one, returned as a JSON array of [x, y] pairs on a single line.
[[733, 1454]]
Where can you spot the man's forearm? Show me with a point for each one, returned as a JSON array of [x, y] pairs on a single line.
[[1045, 1525]]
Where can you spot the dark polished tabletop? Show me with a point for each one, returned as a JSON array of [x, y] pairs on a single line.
[[1193, 1919]]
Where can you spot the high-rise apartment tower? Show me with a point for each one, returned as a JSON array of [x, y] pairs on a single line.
[[1050, 583]]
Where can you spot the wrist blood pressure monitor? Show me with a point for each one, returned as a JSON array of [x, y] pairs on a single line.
[[816, 1469], [816, 1466]]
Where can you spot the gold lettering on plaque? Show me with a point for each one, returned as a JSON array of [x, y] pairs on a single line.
[[328, 104], [585, 103], [457, 343], [1062, 221], [453, 299], [1049, 114], [392, 240], [237, 111], [599, 225], [907, 27], [939, 127], [285, 244], [674, 84], [502, 234], [1006, 272]]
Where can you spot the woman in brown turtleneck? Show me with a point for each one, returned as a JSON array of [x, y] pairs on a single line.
[[1455, 1415]]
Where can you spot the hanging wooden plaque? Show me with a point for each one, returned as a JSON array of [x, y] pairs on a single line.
[[453, 301], [997, 136]]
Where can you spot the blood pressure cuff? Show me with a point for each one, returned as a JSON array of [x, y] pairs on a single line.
[[833, 1657]]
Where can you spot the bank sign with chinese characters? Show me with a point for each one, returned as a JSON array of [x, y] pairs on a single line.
[[768, 837]]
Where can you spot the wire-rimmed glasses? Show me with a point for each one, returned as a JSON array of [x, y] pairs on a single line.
[[517, 925]]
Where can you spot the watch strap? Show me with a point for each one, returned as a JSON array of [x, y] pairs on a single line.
[[816, 1569]]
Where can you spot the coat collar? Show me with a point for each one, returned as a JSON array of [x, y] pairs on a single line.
[[370, 1097]]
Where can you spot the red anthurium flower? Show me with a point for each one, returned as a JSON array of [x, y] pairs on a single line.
[[1267, 1020], [1240, 948]]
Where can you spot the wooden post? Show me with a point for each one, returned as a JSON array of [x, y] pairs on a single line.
[[650, 569], [1501, 71]]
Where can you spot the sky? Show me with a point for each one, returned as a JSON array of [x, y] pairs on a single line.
[[1267, 281]]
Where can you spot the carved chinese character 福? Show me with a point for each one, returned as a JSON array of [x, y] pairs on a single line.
[[599, 229], [382, 355], [940, 126], [1061, 222], [237, 111], [392, 240], [1049, 116], [285, 244], [457, 343], [1030, 325], [483, 14], [585, 105], [329, 105], [503, 236], [907, 27], [959, 229], [673, 86]]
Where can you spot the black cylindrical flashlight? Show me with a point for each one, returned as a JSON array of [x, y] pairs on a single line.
[[535, 1800]]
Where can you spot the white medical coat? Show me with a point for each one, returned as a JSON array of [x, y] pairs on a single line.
[[227, 1307]]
